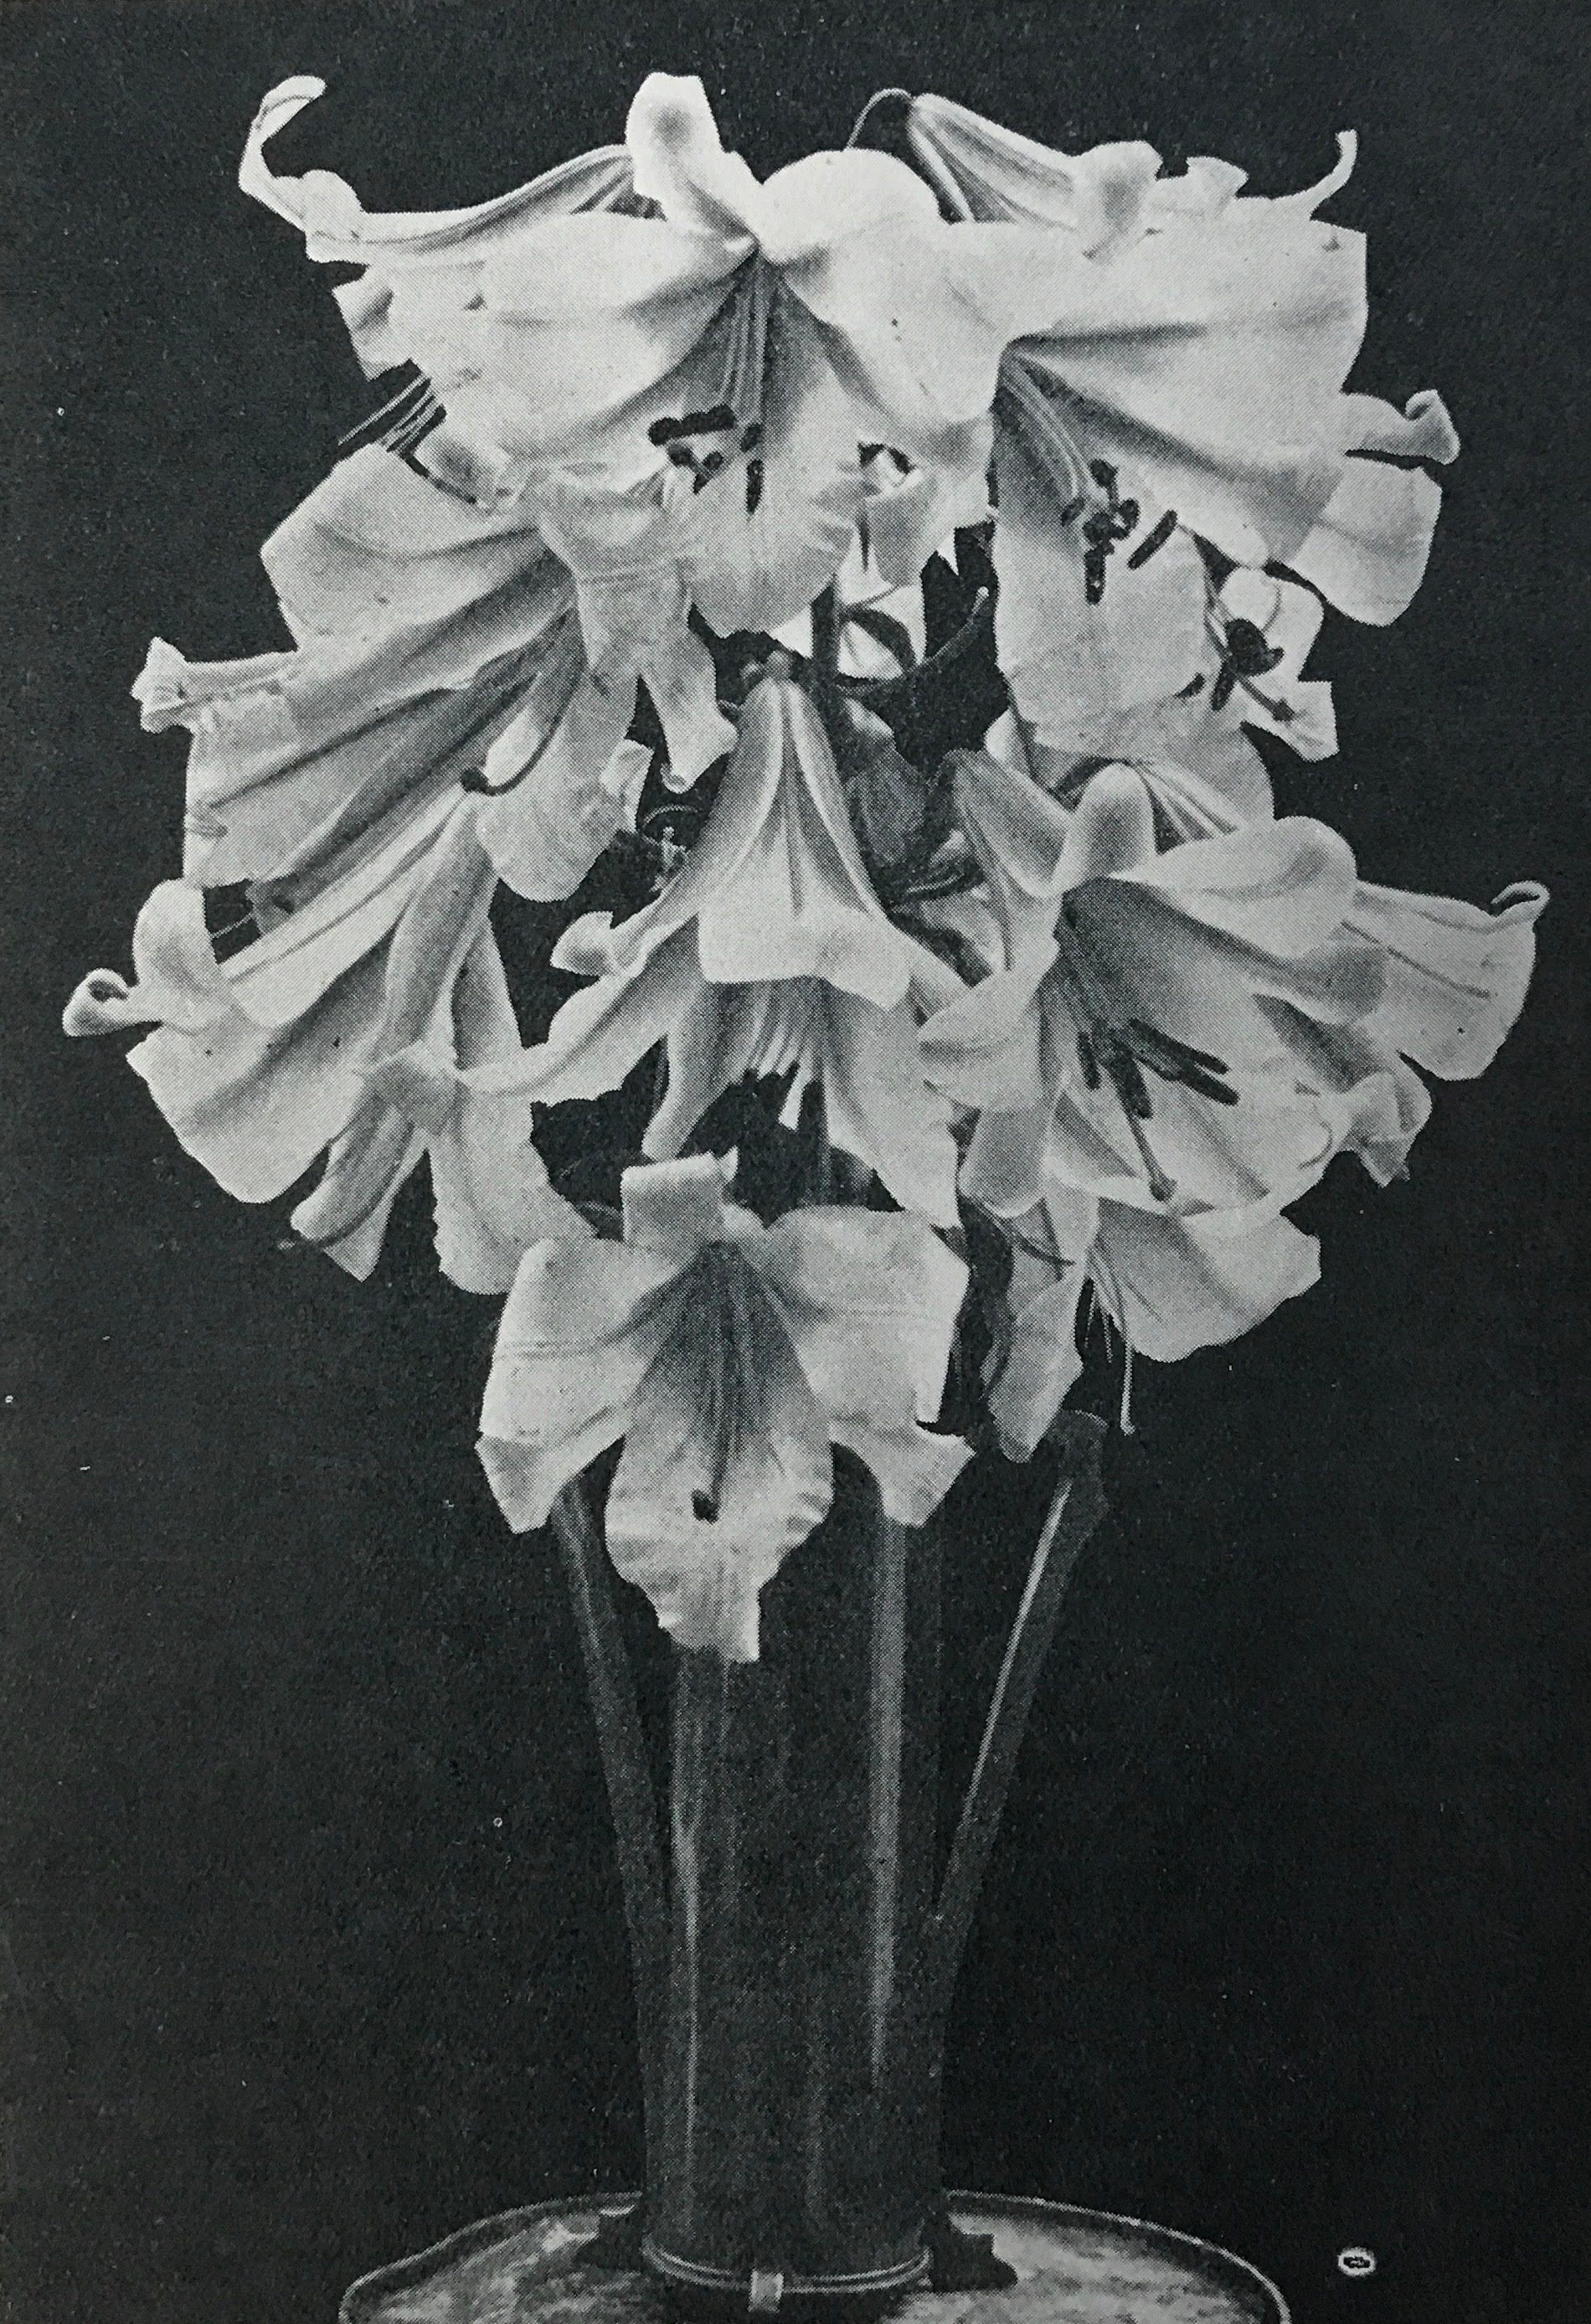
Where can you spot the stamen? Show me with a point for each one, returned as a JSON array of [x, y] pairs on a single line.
[[736, 414], [1154, 541], [1160, 1187]]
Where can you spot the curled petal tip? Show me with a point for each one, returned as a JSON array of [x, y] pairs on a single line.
[[1525, 900], [99, 1005], [276, 108]]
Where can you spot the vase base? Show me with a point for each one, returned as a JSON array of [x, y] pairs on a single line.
[[713, 2292], [562, 2263]]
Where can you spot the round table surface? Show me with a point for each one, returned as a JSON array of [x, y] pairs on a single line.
[[1073, 2267]]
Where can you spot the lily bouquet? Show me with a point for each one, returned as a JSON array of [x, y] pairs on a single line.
[[768, 802]]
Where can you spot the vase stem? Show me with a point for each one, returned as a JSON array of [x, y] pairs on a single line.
[[628, 1775], [1076, 1509]]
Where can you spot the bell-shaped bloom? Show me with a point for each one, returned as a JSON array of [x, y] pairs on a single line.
[[1166, 1286], [767, 953], [348, 1026], [446, 1014], [436, 644], [257, 1061], [748, 334], [730, 1357], [1124, 1045], [1454, 977], [1193, 383]]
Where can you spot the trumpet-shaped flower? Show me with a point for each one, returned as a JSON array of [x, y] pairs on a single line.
[[1124, 1043], [436, 642], [346, 1028], [1192, 383], [748, 334], [730, 1357], [767, 953]]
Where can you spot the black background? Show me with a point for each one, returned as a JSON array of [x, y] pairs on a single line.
[[311, 1946]]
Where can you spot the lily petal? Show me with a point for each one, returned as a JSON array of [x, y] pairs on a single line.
[[870, 1300], [1041, 1366], [336, 226], [702, 1528], [179, 980], [1456, 976], [582, 1324], [256, 1105]]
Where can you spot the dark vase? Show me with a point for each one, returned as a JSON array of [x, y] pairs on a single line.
[[796, 1947], [793, 2158]]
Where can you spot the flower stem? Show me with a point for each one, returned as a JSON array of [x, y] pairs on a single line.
[[1076, 1509], [631, 1793]]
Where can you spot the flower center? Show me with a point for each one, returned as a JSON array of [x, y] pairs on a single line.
[[1122, 1050], [1033, 407], [705, 442]]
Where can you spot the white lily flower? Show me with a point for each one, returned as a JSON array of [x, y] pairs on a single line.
[[1191, 384], [437, 644], [749, 334], [767, 953], [1124, 1044], [1454, 977], [730, 1357], [1167, 1285], [446, 1013], [346, 1026]]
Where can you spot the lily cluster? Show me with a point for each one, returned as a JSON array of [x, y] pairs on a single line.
[[688, 504]]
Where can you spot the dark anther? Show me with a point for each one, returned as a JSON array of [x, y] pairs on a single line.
[[712, 462], [721, 416], [704, 1507], [1099, 528], [1207, 1085], [751, 435], [1103, 474], [692, 424], [1071, 509], [1093, 578], [1195, 684], [1154, 540], [1249, 650], [682, 456], [663, 431], [1127, 516], [1183, 1049], [753, 486], [1221, 692]]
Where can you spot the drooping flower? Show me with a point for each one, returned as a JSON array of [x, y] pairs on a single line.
[[767, 953], [1166, 1286], [1454, 976], [730, 1357], [1192, 383], [345, 1029], [749, 334], [1123, 1045], [446, 1014], [470, 621]]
